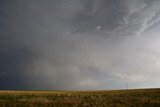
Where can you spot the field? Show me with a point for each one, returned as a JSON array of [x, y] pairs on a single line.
[[113, 98]]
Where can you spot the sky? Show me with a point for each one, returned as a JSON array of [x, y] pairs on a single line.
[[79, 44]]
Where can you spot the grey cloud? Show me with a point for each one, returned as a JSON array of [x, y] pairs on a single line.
[[57, 44], [141, 15], [104, 13]]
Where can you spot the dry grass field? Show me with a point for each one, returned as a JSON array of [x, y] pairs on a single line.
[[114, 98]]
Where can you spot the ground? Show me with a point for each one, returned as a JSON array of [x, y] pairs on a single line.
[[106, 98]]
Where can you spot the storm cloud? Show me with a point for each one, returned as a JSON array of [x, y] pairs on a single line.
[[79, 44]]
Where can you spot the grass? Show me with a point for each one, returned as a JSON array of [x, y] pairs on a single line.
[[114, 98]]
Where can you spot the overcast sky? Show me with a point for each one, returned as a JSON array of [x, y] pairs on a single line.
[[79, 44]]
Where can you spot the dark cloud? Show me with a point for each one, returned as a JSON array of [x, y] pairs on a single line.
[[77, 44], [104, 13]]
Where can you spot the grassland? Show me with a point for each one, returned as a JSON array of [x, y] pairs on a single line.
[[114, 98]]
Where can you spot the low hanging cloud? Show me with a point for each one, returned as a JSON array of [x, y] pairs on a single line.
[[79, 44]]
